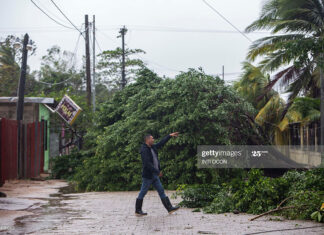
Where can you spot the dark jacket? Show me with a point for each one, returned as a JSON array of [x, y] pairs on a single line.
[[147, 157]]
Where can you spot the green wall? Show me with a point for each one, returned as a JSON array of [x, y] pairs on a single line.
[[44, 114]]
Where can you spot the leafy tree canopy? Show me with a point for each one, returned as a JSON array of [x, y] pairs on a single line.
[[202, 108]]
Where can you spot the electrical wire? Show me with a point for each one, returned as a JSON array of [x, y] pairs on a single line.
[[181, 30], [224, 18], [50, 16], [132, 28], [75, 51], [148, 60], [130, 36], [46, 8], [72, 59], [106, 36], [98, 46], [66, 17]]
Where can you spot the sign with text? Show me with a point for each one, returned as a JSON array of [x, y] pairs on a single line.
[[260, 156], [68, 110]]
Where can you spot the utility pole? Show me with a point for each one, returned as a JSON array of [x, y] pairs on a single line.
[[22, 80], [20, 102], [223, 74], [94, 65], [322, 103], [123, 32], [87, 50]]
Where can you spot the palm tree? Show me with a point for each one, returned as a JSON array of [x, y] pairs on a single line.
[[296, 52], [271, 106], [251, 84], [9, 69]]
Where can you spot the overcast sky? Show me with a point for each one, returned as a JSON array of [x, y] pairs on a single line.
[[176, 35]]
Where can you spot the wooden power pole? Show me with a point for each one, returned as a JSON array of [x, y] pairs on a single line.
[[321, 105], [87, 51], [94, 65], [20, 102], [123, 32]]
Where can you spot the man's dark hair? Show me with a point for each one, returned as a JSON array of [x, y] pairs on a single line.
[[146, 136]]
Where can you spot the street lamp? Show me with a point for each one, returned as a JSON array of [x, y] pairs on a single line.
[[17, 44]]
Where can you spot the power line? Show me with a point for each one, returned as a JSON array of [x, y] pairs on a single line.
[[150, 61], [211, 7], [179, 30], [131, 28], [98, 45], [107, 36], [75, 50], [130, 36], [144, 60], [66, 17], [49, 11], [50, 16], [73, 59], [159, 65]]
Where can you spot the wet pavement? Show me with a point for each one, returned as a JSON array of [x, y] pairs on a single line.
[[47, 207]]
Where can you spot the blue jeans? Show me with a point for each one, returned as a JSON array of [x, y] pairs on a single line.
[[146, 183]]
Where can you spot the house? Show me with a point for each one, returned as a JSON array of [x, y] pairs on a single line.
[[36, 110], [300, 141]]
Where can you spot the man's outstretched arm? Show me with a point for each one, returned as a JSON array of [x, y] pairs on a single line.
[[165, 139]]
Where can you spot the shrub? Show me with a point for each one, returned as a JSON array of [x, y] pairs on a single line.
[[198, 195], [256, 194], [64, 166]]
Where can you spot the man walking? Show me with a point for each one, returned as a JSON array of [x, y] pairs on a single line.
[[152, 171]]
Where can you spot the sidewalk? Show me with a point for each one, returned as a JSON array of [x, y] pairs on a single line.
[[29, 208]]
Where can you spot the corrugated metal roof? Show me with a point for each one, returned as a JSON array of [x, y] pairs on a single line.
[[38, 100]]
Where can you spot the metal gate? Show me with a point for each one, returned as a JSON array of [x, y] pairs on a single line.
[[31, 161]]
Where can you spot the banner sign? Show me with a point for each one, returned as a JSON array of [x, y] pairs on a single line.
[[68, 110]]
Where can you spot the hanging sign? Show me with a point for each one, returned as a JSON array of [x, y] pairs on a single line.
[[68, 110]]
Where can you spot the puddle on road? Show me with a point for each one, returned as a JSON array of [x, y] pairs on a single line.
[[50, 215]]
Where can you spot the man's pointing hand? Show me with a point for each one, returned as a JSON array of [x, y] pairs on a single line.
[[174, 134]]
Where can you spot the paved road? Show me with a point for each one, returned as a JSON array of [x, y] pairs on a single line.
[[29, 208]]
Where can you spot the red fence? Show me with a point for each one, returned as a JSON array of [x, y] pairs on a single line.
[[31, 159], [8, 147]]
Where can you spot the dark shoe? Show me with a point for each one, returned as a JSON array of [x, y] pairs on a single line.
[[138, 207], [167, 204]]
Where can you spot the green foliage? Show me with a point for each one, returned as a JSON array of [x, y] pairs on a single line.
[[260, 193], [63, 167], [252, 85], [305, 202], [221, 203], [309, 108], [200, 107], [199, 195], [318, 216], [58, 68], [10, 61], [294, 49], [255, 194], [110, 64]]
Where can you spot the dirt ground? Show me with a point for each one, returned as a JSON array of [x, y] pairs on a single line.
[[39, 207]]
